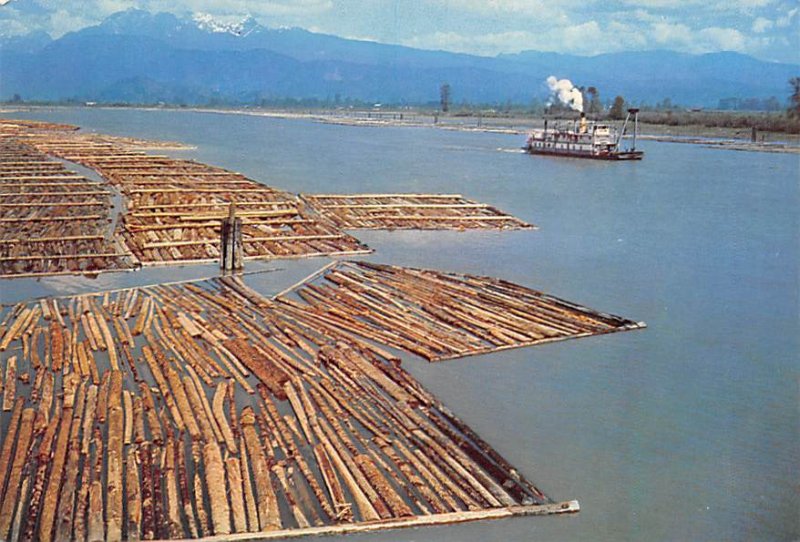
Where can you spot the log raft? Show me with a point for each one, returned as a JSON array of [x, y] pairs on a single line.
[[173, 209], [53, 220], [411, 211], [440, 315], [172, 212], [175, 445]]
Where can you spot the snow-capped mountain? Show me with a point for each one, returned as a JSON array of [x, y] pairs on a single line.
[[240, 28]]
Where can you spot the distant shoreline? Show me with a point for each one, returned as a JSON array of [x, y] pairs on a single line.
[[712, 137]]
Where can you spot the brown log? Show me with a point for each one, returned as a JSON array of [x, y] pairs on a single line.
[[268, 513], [148, 516], [8, 443], [45, 402], [217, 488], [54, 482], [183, 487], [133, 496], [341, 505], [249, 497], [39, 481], [11, 494], [200, 492], [179, 392], [199, 400], [16, 526], [220, 395], [234, 473], [153, 423], [139, 435], [174, 520], [114, 474], [66, 501], [10, 390], [159, 516]]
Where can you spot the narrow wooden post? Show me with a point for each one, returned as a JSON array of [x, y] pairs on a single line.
[[231, 241]]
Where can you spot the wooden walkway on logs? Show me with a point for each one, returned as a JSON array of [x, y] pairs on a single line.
[[203, 409], [411, 212], [440, 315]]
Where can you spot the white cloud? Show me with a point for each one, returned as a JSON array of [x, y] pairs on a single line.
[[588, 38], [475, 26], [63, 21], [671, 33], [516, 7], [761, 24], [788, 19], [722, 39]]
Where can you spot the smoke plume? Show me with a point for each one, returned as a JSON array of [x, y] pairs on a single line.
[[566, 93]]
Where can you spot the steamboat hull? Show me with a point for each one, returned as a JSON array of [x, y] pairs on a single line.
[[610, 156]]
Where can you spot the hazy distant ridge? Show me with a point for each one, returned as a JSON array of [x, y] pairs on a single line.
[[135, 56]]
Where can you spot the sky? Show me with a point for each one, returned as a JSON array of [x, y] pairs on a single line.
[[766, 29]]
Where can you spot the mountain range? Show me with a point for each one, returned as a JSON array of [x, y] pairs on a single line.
[[140, 57]]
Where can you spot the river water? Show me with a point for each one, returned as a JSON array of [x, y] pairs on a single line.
[[687, 430]]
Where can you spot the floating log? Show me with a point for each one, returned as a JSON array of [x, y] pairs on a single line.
[[175, 524], [183, 487], [66, 501], [233, 471], [219, 414], [8, 443], [217, 488], [114, 450], [10, 388], [251, 507], [133, 497], [268, 513], [11, 494]]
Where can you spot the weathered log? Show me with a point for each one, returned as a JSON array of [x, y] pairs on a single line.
[[66, 501], [10, 389], [153, 423], [10, 497], [234, 474], [268, 513], [8, 443], [249, 498], [54, 483], [181, 400], [133, 497], [217, 488], [200, 491], [220, 395], [174, 520], [342, 507], [183, 487], [114, 474], [148, 515]]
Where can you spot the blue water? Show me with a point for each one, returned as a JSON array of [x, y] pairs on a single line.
[[688, 430]]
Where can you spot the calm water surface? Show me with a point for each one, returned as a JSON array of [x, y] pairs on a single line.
[[688, 430]]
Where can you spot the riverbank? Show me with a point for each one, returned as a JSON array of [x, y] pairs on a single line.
[[697, 134]]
